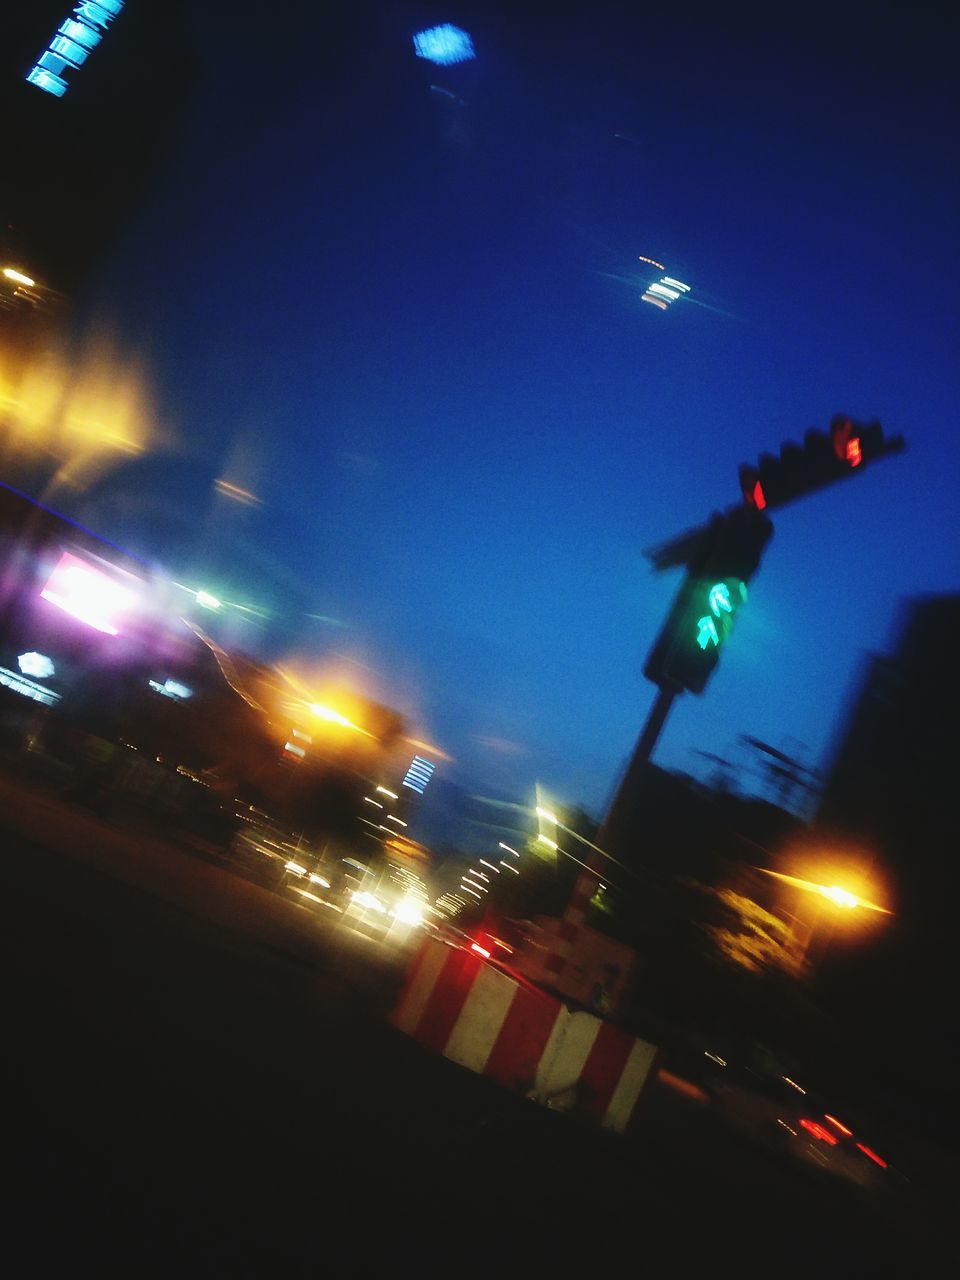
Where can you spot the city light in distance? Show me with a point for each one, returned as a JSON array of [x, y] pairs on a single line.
[[385, 792]]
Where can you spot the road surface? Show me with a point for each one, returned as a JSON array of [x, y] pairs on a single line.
[[201, 1080]]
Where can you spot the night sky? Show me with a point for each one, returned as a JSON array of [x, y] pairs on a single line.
[[408, 318]]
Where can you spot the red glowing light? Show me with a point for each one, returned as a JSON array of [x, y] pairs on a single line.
[[872, 1155], [819, 1131], [759, 497], [854, 452]]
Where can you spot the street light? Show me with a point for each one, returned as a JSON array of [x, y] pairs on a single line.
[[836, 894]]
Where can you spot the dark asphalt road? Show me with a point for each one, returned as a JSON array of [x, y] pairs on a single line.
[[185, 1097]]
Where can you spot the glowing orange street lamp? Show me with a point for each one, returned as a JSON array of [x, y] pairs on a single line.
[[833, 893]]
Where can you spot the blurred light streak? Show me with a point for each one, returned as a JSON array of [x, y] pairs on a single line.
[[225, 663], [18, 276], [509, 868], [239, 495], [87, 594], [841, 897], [81, 411]]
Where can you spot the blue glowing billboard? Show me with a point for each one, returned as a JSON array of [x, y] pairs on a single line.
[[443, 45], [72, 43]]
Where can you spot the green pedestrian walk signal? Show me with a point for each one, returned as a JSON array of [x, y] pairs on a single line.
[[715, 590]]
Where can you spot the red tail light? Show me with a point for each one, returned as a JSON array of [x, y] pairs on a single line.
[[819, 1131], [871, 1155]]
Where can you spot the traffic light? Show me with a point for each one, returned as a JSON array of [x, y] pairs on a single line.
[[821, 460], [715, 589]]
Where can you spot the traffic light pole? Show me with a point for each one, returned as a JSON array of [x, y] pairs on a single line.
[[568, 929], [627, 789]]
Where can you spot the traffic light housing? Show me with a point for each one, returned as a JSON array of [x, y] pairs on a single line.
[[822, 459], [715, 589]]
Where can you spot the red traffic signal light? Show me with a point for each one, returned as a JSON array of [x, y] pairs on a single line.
[[821, 459]]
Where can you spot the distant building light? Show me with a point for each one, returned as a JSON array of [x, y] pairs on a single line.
[[71, 44], [87, 593], [28, 688], [419, 774], [36, 664], [443, 45], [171, 689]]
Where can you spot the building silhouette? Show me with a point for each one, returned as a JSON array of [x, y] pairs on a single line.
[[890, 798]]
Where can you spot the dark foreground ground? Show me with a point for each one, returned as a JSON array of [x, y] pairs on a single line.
[[199, 1080]]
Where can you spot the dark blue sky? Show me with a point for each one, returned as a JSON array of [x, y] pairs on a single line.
[[413, 327]]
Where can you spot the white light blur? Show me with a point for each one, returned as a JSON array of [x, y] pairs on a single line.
[[547, 815], [207, 601], [476, 895], [18, 277], [663, 291], [677, 284], [376, 802], [409, 912], [509, 868], [364, 899], [295, 867], [36, 664], [485, 863], [398, 821], [384, 791], [509, 850], [324, 884], [551, 844]]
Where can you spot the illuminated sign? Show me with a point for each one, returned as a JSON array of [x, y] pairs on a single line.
[[29, 688], [419, 774], [87, 593], [35, 664], [443, 45], [171, 689], [72, 44]]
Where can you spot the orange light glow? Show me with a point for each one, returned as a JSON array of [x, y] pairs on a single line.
[[848, 1133]]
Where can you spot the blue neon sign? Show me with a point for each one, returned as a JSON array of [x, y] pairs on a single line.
[[72, 44], [444, 45]]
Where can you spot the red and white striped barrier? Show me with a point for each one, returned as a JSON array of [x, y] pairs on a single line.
[[512, 1032]]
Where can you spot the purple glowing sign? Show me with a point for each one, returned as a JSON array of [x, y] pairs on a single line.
[[88, 594]]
